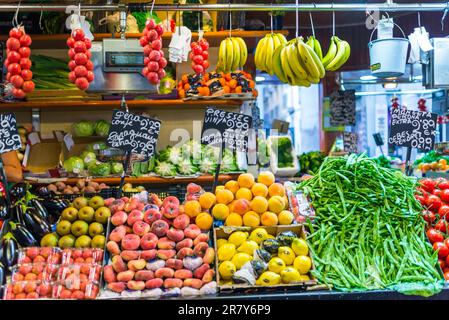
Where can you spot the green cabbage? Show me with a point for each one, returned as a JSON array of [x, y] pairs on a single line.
[[73, 164], [185, 167], [165, 169], [101, 128], [83, 129], [100, 169], [96, 146], [88, 157], [116, 167]]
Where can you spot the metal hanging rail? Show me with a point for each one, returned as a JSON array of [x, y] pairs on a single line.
[[388, 6]]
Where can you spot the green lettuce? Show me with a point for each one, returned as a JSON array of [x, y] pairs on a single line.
[[83, 129]]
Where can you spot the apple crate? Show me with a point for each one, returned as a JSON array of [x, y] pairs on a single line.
[[225, 232]]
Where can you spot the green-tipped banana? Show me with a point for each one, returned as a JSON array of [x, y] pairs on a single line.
[[281, 38], [343, 45], [277, 64], [288, 72], [229, 55], [305, 51], [243, 52], [236, 57], [317, 48], [294, 61], [259, 57], [331, 52], [317, 62], [310, 42], [222, 55], [269, 48]]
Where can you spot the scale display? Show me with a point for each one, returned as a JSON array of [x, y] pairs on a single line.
[[124, 59]]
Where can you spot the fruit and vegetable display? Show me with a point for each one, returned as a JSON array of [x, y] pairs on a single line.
[[310, 162], [157, 248], [154, 60], [216, 84], [18, 63], [432, 161], [80, 65], [232, 54], [368, 232], [262, 257], [251, 203], [199, 56]]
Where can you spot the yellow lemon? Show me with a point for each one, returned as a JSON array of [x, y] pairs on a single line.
[[276, 264], [289, 275], [226, 270], [304, 277], [300, 247], [226, 252], [248, 247], [302, 264], [239, 259], [258, 235], [268, 278], [237, 238], [221, 242], [286, 254]]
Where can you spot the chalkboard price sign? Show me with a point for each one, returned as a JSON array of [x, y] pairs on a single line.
[[133, 133], [9, 136], [228, 128], [350, 142], [342, 108], [413, 129]]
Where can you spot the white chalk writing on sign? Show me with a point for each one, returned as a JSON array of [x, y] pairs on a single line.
[[9, 136]]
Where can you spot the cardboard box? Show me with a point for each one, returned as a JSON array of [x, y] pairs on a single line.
[[42, 153], [225, 232], [73, 146]]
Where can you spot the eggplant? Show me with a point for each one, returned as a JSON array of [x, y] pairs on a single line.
[[17, 214], [36, 224], [18, 191], [10, 249], [4, 209], [43, 192], [55, 207], [40, 209], [23, 236]]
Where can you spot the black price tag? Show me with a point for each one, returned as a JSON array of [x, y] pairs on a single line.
[[378, 139], [225, 127], [342, 108], [350, 142], [9, 136], [133, 133], [413, 129]]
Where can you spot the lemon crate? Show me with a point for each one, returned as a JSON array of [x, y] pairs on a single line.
[[225, 232]]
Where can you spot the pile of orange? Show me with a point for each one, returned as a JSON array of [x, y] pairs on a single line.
[[199, 210], [247, 202]]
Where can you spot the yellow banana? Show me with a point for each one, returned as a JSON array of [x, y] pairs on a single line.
[[331, 52], [269, 54], [317, 62], [288, 72], [281, 38], [306, 57], [304, 83], [243, 52], [294, 60], [229, 55], [276, 41], [310, 42], [236, 56], [344, 57], [277, 64], [222, 55], [340, 57], [259, 57], [317, 48]]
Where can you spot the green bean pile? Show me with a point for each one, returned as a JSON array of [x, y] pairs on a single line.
[[368, 233]]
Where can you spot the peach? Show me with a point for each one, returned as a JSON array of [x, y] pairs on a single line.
[[135, 285], [130, 206], [131, 242], [192, 262], [117, 205], [181, 221], [128, 255], [276, 204], [77, 295], [118, 264], [175, 234], [192, 208], [207, 200], [119, 218], [108, 202], [192, 197], [193, 283], [204, 221], [109, 274], [136, 265], [154, 283], [244, 193], [117, 286], [245, 180], [125, 199], [251, 219], [259, 204], [175, 264], [152, 215], [35, 295], [141, 228], [234, 219], [170, 210], [208, 276], [125, 275], [220, 211], [154, 199], [134, 216], [170, 200], [148, 254], [159, 228], [184, 252], [202, 237], [193, 188], [172, 283], [140, 206], [128, 229], [144, 275], [201, 270], [200, 249], [276, 189], [164, 273], [269, 219], [209, 256], [113, 248], [241, 206], [183, 274], [259, 189], [232, 186], [166, 254], [192, 231], [154, 265], [186, 243], [149, 241], [266, 178], [224, 196], [166, 244]]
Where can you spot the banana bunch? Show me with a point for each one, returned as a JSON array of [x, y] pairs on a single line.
[[265, 49], [337, 54], [232, 54], [297, 63]]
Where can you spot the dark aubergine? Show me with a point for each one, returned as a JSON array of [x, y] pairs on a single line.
[[40, 209], [17, 214], [18, 191], [55, 207], [36, 224], [10, 249], [23, 236], [4, 209], [43, 192]]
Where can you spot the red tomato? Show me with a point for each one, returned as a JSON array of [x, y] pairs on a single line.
[[428, 184], [204, 44], [17, 81], [446, 261], [433, 202], [88, 54], [13, 44], [446, 276], [422, 192], [14, 68], [437, 192], [89, 66], [205, 54], [446, 242], [8, 76], [143, 41], [25, 52], [80, 71], [78, 34], [445, 195], [71, 53], [72, 64], [90, 76], [88, 43], [72, 77], [79, 47], [443, 211], [443, 185], [28, 86], [197, 50], [13, 57], [6, 63], [441, 225], [27, 75], [434, 236], [25, 41], [429, 216], [83, 84], [442, 263], [70, 42], [18, 93], [441, 248], [15, 33], [25, 63], [421, 200], [80, 59]]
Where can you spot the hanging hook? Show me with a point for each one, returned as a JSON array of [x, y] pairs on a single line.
[[230, 19], [419, 19], [40, 17], [271, 18], [444, 16], [15, 21], [151, 10], [297, 19], [311, 24], [333, 20]]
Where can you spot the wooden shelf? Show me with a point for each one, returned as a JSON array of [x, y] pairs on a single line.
[[132, 104], [150, 180]]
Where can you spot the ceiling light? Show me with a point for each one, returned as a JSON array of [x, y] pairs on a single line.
[[368, 78]]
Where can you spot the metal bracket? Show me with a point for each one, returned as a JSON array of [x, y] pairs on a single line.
[[36, 119], [122, 9]]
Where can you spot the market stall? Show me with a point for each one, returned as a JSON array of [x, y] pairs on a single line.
[[178, 151]]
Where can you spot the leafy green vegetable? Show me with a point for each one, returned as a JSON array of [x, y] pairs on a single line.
[[73, 165], [165, 169], [100, 145], [263, 153], [284, 148], [100, 169], [310, 162], [88, 157], [174, 155], [207, 165], [83, 129], [185, 167], [116, 167], [101, 128]]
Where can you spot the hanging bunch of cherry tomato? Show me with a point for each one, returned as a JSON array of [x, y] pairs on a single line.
[[81, 67], [154, 60], [199, 56], [433, 194], [18, 62]]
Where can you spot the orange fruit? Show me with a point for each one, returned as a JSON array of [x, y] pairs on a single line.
[[234, 219], [259, 204], [259, 189], [251, 219], [232, 186], [220, 211], [204, 221], [269, 219], [207, 200], [276, 204], [285, 217], [276, 189], [192, 208], [224, 196], [244, 193], [246, 180], [266, 178]]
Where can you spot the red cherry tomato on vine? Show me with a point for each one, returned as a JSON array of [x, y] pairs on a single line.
[[428, 184], [434, 236], [15, 33], [429, 216], [433, 202], [78, 34], [443, 211], [441, 248]]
